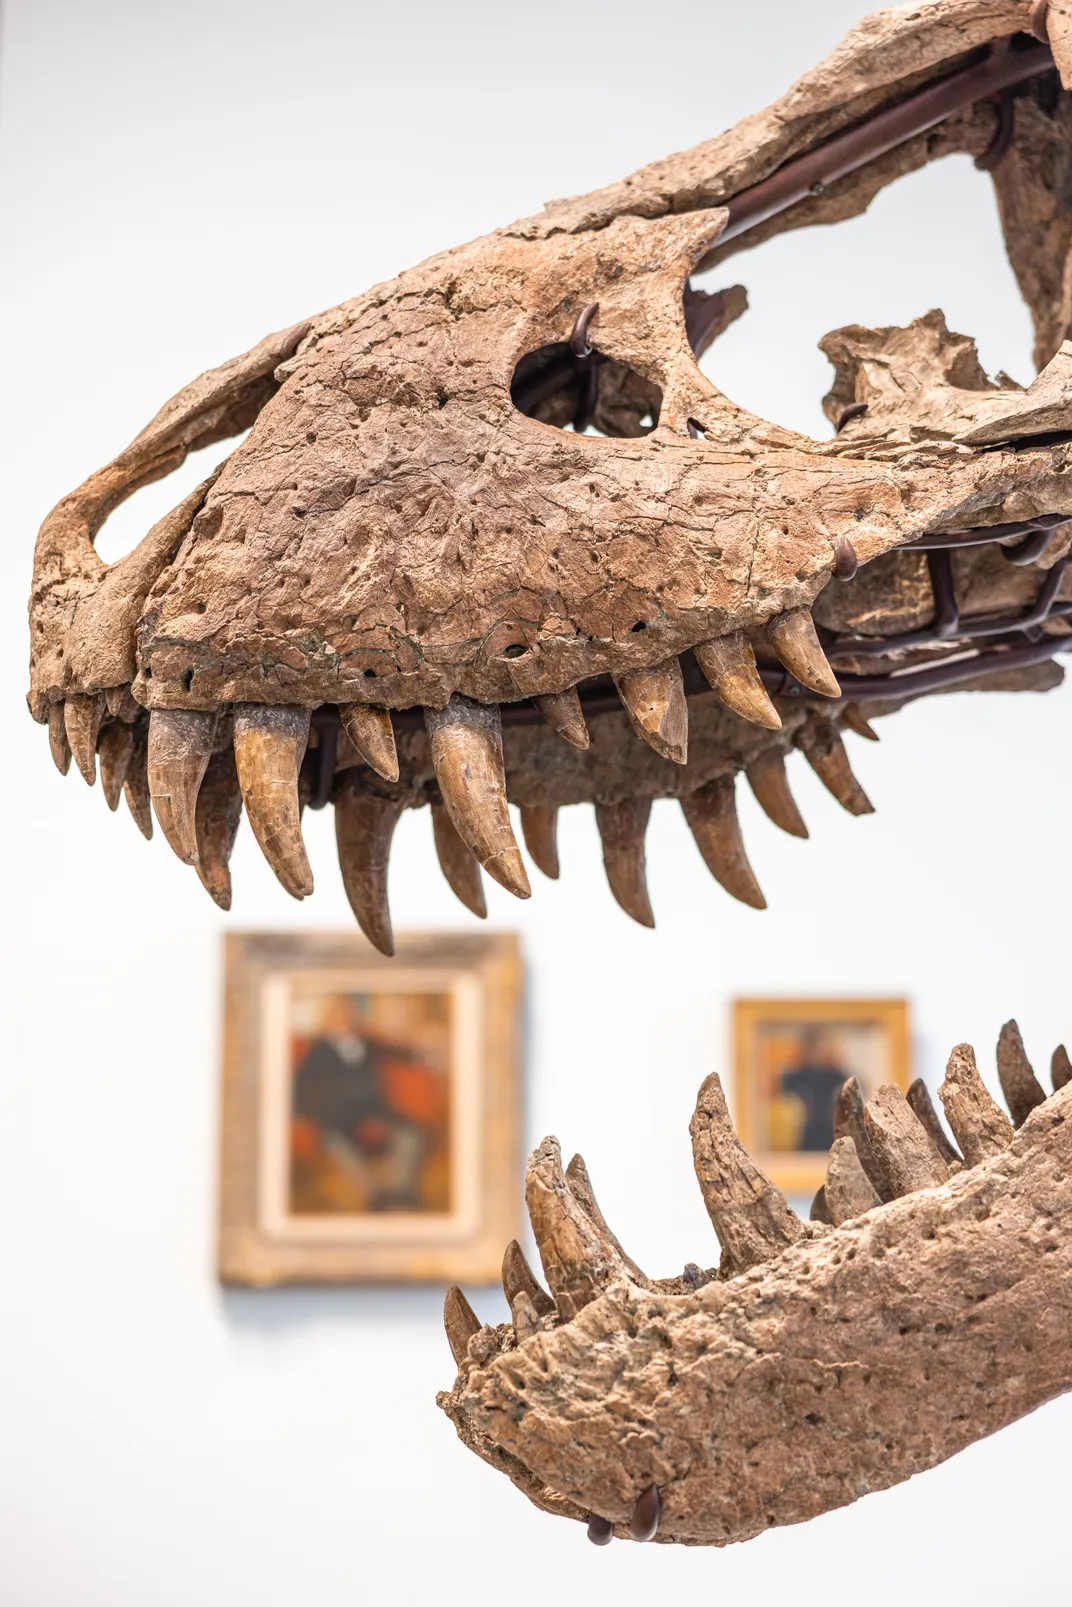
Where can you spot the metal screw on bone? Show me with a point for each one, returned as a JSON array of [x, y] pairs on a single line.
[[644, 1523]]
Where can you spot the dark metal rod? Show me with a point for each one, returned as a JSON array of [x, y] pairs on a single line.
[[946, 610]]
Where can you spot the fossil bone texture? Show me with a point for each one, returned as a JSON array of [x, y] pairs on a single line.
[[924, 1306], [498, 489]]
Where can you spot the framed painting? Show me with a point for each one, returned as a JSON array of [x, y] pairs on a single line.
[[791, 1057], [371, 1108]]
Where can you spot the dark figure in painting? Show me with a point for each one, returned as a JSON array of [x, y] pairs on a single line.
[[816, 1081]]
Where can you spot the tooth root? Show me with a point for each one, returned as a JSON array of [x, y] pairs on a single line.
[[116, 748], [854, 719], [580, 1186], [729, 664], [58, 744], [751, 1217], [269, 746], [136, 785], [526, 1318], [621, 830], [1060, 1067], [372, 734], [1022, 1089], [644, 1523], [979, 1124], [577, 1263], [460, 1321], [654, 700], [903, 1149], [923, 1108], [849, 1123], [82, 717], [467, 755], [216, 818], [539, 826], [458, 863], [712, 817], [518, 1277], [792, 635], [364, 826], [768, 780], [562, 711], [848, 1189], [824, 750], [180, 746]]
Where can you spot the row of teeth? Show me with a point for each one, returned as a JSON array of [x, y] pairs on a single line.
[[889, 1147], [196, 785]]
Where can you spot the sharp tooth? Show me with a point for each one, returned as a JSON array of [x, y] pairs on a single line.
[[654, 700], [853, 717], [578, 1264], [466, 740], [269, 746], [116, 747], [364, 826], [849, 1123], [518, 1276], [979, 1124], [621, 830], [729, 664], [923, 1107], [562, 711], [539, 827], [180, 746], [712, 817], [644, 1523], [848, 1189], [58, 744], [460, 1321], [82, 718], [1060, 1067], [903, 1149], [792, 635], [824, 750], [458, 863], [580, 1186], [600, 1530], [820, 1211], [216, 818], [372, 734], [526, 1318], [1022, 1089], [136, 786], [751, 1217], [768, 780]]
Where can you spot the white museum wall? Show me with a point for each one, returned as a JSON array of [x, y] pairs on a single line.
[[177, 180]]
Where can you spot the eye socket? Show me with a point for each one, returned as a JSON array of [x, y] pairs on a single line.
[[590, 394]]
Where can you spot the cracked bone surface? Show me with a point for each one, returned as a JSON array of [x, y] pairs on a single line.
[[818, 1362], [498, 489]]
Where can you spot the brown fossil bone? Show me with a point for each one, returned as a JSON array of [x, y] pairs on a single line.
[[818, 1362]]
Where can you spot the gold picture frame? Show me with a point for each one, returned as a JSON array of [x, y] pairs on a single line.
[[370, 1122], [791, 1057]]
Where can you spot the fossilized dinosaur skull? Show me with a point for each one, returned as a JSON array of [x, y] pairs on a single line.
[[499, 488], [924, 1306]]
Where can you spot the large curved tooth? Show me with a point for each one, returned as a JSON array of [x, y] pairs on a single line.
[[1060, 1068], [269, 746], [539, 827], [729, 664], [923, 1108], [824, 750], [364, 826], [116, 748], [562, 711], [979, 1124], [654, 700], [458, 863], [848, 1190], [580, 1186], [82, 716], [752, 1218], [621, 831], [1022, 1089], [372, 734], [216, 818], [58, 744], [768, 780], [180, 746], [136, 785], [460, 1321], [792, 635], [854, 719], [519, 1278], [849, 1123], [903, 1149], [712, 817], [578, 1262], [466, 741]]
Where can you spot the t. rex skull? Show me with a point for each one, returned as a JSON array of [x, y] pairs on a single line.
[[499, 488]]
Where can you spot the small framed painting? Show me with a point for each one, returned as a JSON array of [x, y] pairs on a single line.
[[791, 1058], [371, 1109]]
